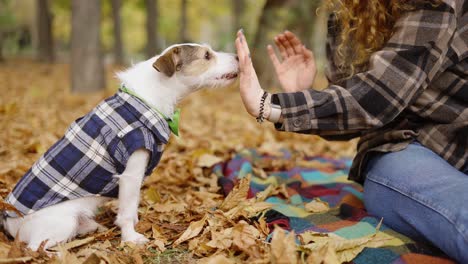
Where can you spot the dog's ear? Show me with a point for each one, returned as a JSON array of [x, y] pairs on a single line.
[[166, 63]]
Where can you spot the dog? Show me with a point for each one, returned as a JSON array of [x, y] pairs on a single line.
[[107, 153]]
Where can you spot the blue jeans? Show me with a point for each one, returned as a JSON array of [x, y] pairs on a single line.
[[422, 196]]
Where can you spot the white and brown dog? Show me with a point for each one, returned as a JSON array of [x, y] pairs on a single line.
[[106, 153]]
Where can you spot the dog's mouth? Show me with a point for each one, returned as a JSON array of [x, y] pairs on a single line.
[[228, 76]]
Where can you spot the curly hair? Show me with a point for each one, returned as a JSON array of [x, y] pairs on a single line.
[[366, 25]]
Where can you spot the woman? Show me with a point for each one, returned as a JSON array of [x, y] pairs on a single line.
[[398, 75]]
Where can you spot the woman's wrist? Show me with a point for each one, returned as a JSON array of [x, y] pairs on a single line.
[[268, 110], [262, 104]]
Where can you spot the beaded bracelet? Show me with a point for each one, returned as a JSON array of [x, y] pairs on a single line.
[[260, 117]]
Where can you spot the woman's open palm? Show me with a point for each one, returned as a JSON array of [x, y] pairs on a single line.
[[296, 71]]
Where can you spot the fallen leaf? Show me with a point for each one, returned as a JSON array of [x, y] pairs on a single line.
[[192, 231], [238, 194], [8, 207], [152, 195], [73, 244], [216, 259], [317, 206], [283, 247], [16, 260], [245, 237], [169, 207], [221, 240], [208, 160]]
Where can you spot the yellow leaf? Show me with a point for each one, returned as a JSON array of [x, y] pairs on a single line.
[[283, 247], [317, 206], [192, 231], [152, 195]]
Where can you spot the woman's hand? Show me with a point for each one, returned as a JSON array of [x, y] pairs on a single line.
[[250, 90], [296, 71]]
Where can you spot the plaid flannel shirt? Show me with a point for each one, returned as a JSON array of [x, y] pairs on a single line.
[[94, 148], [415, 88]]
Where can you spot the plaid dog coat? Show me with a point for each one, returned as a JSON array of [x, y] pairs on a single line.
[[95, 147]]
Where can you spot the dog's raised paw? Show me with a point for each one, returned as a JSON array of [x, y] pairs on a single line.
[[135, 238]]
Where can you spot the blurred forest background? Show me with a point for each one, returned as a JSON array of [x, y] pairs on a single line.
[[92, 33]]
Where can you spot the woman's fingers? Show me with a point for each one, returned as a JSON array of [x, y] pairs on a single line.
[[281, 47], [308, 54], [240, 52], [273, 57], [287, 45], [293, 41]]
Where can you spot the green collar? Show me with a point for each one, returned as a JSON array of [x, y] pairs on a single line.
[[173, 122]]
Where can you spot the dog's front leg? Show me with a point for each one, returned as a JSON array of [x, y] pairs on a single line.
[[129, 196]]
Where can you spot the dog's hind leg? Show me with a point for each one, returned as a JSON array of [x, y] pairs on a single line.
[[87, 225], [55, 224], [53, 229]]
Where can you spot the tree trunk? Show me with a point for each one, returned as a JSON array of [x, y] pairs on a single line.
[[237, 8], [269, 20], [87, 70], [118, 46], [183, 22], [152, 16], [1, 47], [44, 31]]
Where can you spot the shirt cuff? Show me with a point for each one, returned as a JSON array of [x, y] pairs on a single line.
[[275, 113]]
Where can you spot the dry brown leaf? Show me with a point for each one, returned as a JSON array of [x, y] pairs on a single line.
[[345, 249], [192, 231], [216, 259], [324, 255], [254, 208], [169, 207], [263, 195], [283, 247], [238, 194], [16, 260], [245, 237], [93, 259], [263, 226], [8, 207], [159, 240], [66, 257], [73, 244], [221, 240], [208, 160], [317, 206]]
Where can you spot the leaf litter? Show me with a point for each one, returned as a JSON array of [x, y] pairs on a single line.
[[182, 211]]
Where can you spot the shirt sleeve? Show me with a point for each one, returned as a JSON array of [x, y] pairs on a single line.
[[396, 75]]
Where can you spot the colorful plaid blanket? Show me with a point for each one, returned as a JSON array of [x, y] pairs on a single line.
[[307, 178]]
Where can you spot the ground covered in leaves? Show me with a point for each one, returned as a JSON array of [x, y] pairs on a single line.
[[182, 211]]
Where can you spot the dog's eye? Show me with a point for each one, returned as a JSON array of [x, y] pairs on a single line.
[[207, 55]]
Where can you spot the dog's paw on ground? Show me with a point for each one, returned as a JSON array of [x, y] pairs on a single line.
[[135, 238]]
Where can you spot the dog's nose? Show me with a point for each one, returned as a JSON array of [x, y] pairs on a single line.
[[237, 58]]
